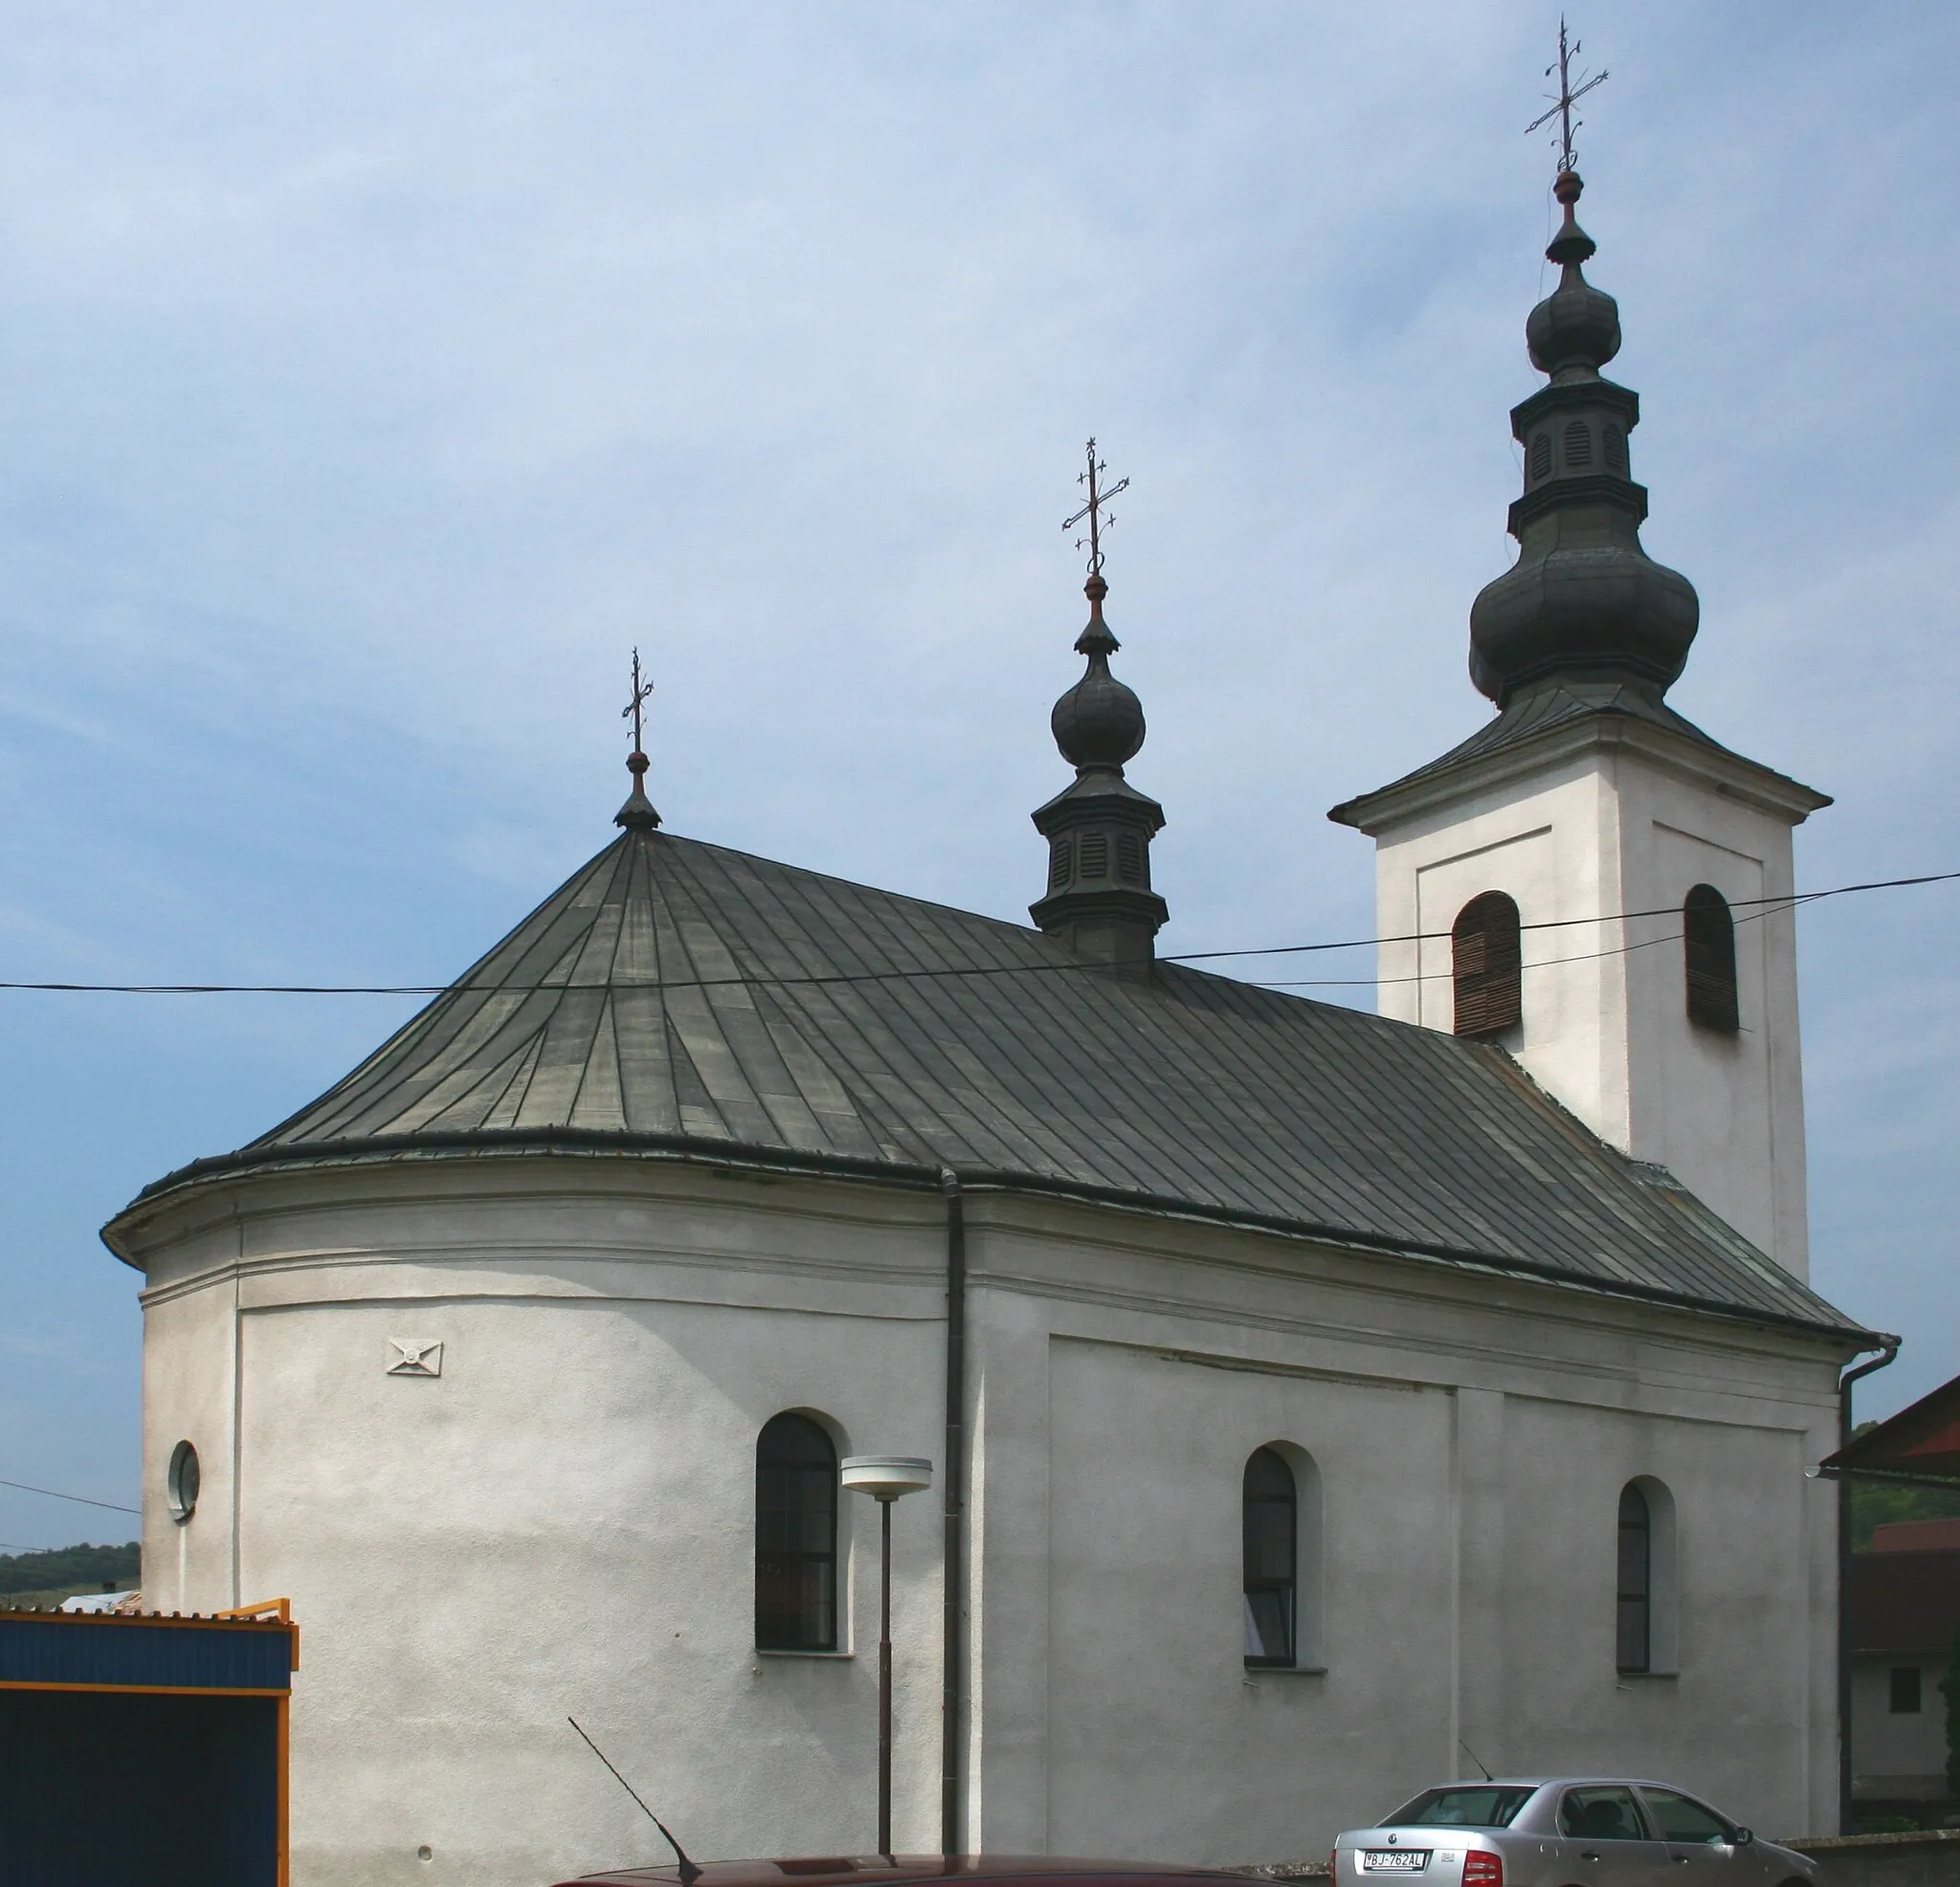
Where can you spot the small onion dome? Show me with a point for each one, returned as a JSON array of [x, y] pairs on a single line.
[[1576, 326], [1098, 723]]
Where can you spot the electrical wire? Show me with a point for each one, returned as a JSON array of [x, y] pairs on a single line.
[[81, 1499], [1787, 901], [1583, 957]]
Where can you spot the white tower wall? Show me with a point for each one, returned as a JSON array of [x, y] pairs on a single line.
[[1598, 820]]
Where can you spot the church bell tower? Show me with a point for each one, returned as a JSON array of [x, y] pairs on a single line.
[[1590, 881]]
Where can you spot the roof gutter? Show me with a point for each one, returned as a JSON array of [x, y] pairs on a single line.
[[953, 1559], [923, 1177], [1889, 1348]]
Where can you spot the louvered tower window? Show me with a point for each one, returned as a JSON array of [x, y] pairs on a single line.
[[796, 1537], [1095, 854], [1616, 444], [1486, 966], [1578, 444], [1709, 943], [1129, 858], [1541, 458], [1062, 861]]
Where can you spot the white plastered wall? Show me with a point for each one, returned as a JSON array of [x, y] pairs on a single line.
[[1596, 828], [563, 1521]]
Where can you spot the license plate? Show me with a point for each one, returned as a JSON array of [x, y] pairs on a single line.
[[1394, 1860]]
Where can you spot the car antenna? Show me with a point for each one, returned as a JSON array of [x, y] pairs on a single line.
[[690, 1872], [1461, 1744]]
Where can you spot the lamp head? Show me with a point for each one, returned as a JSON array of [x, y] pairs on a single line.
[[885, 1477]]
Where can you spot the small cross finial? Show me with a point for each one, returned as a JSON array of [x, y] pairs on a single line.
[[641, 690], [637, 814], [1565, 99], [1099, 496]]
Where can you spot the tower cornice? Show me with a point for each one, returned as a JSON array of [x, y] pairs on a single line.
[[1688, 756]]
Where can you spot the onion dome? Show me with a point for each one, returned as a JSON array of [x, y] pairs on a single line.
[[1584, 599], [1577, 327], [1099, 904], [1098, 723]]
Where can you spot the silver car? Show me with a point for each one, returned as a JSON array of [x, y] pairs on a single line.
[[1567, 1832]]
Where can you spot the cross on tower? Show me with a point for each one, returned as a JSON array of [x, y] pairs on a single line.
[[1565, 99], [1093, 510], [632, 710], [637, 814]]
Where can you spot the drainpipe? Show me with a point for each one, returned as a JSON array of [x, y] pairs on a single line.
[[1888, 1353], [952, 1655]]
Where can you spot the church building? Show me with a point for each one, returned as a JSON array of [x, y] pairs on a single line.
[[1323, 1404]]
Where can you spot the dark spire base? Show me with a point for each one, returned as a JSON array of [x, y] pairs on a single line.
[[1100, 905], [1112, 930], [637, 814]]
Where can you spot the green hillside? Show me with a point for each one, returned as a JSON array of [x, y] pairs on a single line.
[[82, 1568]]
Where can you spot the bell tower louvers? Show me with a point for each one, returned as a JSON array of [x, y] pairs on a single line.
[[1590, 881]]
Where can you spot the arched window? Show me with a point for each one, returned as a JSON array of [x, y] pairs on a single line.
[[1709, 943], [1485, 960], [1633, 1637], [796, 1537], [1578, 444], [1272, 1544]]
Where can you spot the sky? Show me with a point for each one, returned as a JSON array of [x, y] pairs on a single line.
[[375, 378]]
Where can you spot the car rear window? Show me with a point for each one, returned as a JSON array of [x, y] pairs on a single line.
[[1493, 1805]]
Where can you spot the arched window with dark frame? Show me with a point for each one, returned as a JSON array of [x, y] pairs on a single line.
[[796, 1537], [1271, 1506], [1707, 932], [1486, 966], [1633, 1622]]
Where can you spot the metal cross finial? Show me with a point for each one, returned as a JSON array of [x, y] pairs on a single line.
[[632, 710], [1565, 99], [1093, 510]]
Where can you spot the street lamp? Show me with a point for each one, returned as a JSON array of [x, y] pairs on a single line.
[[885, 1477]]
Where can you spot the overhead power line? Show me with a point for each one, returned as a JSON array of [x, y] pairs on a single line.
[[1770, 907], [81, 1499]]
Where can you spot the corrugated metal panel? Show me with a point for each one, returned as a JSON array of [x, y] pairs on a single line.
[[150, 1654], [122, 1791], [687, 990]]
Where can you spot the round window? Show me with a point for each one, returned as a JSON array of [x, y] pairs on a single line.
[[181, 1483]]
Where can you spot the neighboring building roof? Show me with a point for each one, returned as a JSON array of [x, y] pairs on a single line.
[[1922, 1440], [678, 997], [1563, 701], [1904, 1602], [1917, 1537], [103, 1601]]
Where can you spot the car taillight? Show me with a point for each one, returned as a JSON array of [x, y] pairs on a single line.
[[1483, 1869]]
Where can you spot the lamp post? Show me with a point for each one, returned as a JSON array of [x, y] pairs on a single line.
[[885, 1477]]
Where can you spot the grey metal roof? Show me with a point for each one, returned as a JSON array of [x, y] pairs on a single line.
[[680, 996], [1558, 702]]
